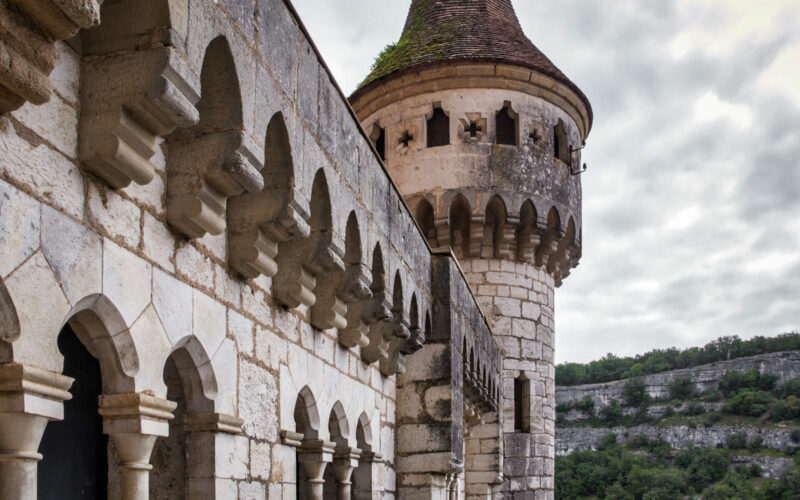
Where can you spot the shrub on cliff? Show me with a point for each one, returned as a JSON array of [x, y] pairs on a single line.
[[734, 382], [749, 403], [786, 409], [791, 388], [703, 466], [612, 414], [681, 388], [788, 487], [586, 405], [736, 441], [634, 393]]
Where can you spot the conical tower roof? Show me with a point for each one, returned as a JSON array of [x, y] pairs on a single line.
[[438, 31]]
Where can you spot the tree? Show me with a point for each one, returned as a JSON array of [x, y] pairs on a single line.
[[634, 393]]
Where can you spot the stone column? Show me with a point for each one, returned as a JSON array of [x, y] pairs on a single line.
[[345, 460], [208, 435], [29, 398], [314, 455], [370, 476], [135, 421]]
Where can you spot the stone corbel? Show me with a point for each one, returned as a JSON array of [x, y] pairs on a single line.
[[476, 234], [135, 421], [377, 319], [315, 455], [205, 170], [128, 101], [214, 422], [30, 397], [443, 232], [509, 242], [259, 223], [548, 246], [397, 336], [27, 49], [356, 294], [329, 309]]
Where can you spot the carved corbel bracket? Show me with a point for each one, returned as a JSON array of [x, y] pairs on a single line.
[[329, 309], [476, 234], [377, 318], [128, 100], [443, 231], [27, 46], [508, 244], [356, 294], [259, 223], [205, 170]]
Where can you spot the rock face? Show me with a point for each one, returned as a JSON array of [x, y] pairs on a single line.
[[679, 437], [784, 365]]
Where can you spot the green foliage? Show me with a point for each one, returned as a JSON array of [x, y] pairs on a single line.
[[734, 486], [681, 388], [611, 367], [734, 382], [736, 441], [713, 396], [612, 414], [711, 418], [749, 403], [703, 466], [791, 388], [788, 487], [786, 409], [586, 405], [694, 409], [634, 393]]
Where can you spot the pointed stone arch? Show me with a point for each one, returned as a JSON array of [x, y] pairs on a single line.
[[460, 218], [495, 244], [260, 221], [355, 290], [426, 219], [214, 159], [527, 237], [306, 414], [378, 312]]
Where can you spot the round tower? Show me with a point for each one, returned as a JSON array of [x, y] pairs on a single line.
[[482, 135]]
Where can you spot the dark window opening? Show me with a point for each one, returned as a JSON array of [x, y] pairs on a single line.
[[474, 128], [519, 405], [406, 139], [506, 127], [380, 144], [438, 129], [560, 143], [75, 450]]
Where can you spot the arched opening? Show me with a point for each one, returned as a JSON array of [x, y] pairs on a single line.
[[75, 450], [427, 223], [460, 219], [339, 430], [193, 390], [493, 236], [168, 479], [527, 240], [306, 420], [378, 138], [438, 128], [506, 121], [363, 476], [560, 142], [206, 164]]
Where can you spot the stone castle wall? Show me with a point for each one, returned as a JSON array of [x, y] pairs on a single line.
[[196, 191], [517, 299]]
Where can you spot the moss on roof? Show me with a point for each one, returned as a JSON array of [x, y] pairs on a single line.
[[451, 30]]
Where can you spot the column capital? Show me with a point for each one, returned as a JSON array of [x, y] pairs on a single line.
[[34, 391], [136, 413]]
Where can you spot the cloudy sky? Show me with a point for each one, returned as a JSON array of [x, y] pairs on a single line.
[[692, 199]]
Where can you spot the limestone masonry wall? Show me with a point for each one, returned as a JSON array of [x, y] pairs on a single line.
[[189, 192]]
